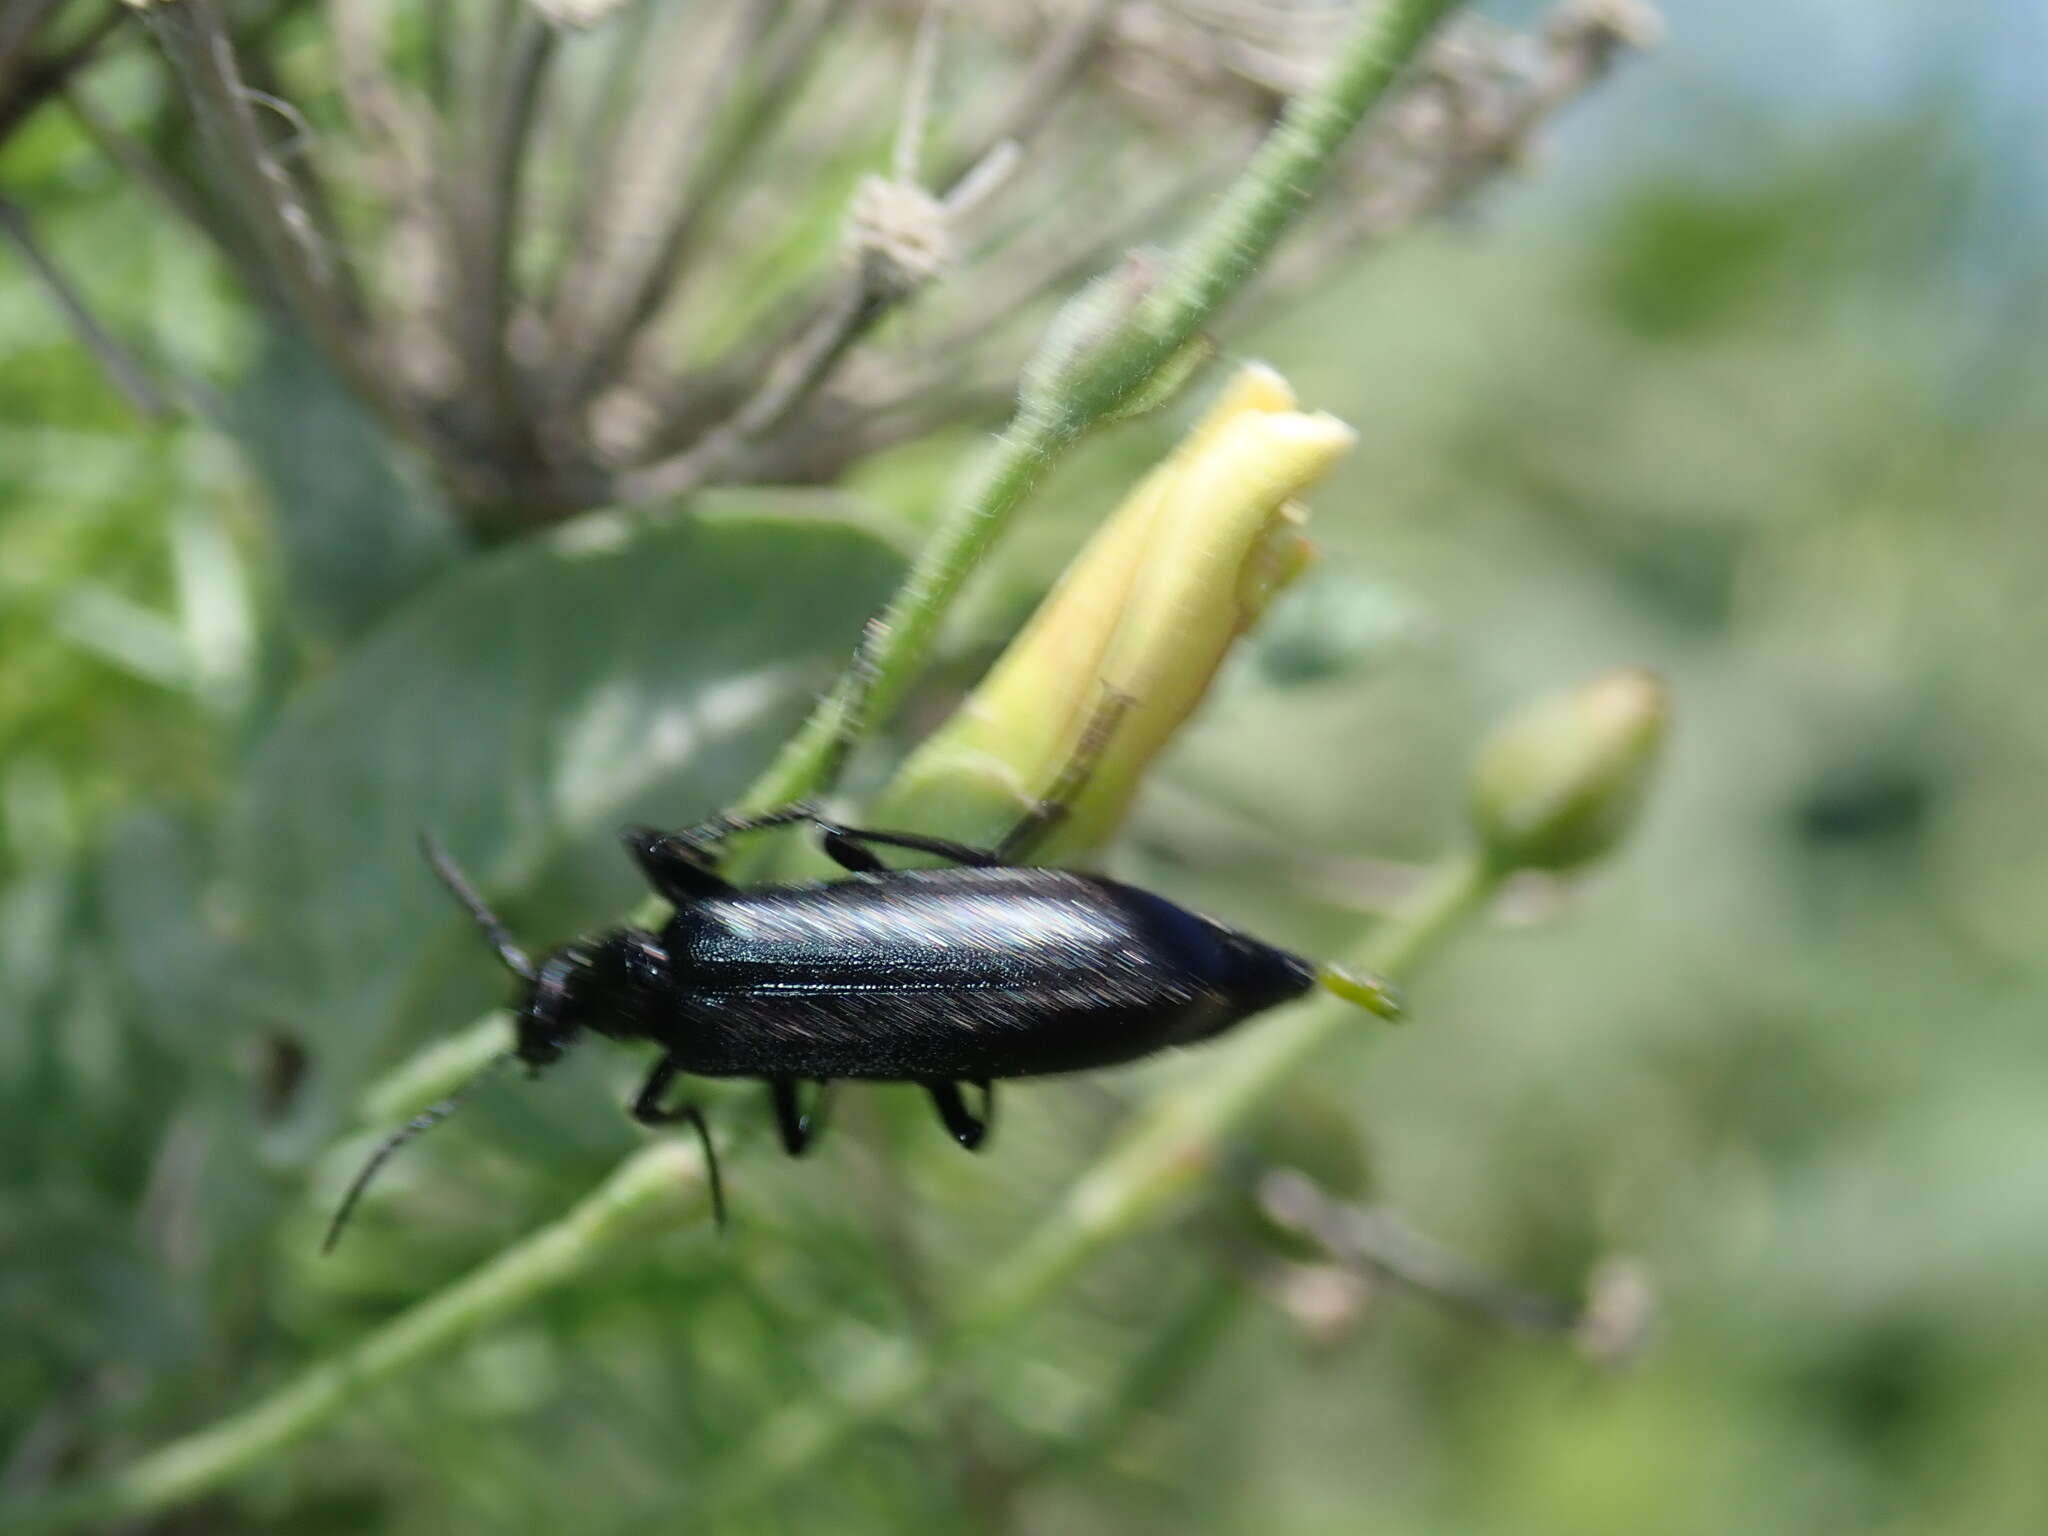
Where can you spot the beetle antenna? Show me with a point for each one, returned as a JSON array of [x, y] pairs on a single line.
[[425, 1120], [494, 928]]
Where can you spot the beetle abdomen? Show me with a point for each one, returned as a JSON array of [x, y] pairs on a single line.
[[957, 973]]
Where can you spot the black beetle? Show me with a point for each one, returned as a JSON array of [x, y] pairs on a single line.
[[941, 977]]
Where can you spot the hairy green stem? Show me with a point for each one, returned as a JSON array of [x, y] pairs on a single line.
[[1002, 479], [1229, 246], [646, 1194], [431, 1074], [1169, 1145]]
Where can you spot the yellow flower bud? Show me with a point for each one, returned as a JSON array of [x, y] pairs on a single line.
[[1144, 617], [1561, 783]]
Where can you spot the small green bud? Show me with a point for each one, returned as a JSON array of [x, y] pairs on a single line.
[[1086, 324], [1561, 783], [1087, 349]]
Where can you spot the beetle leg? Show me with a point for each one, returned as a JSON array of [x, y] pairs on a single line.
[[844, 849], [675, 867], [680, 865], [646, 1106], [988, 1104], [1032, 826], [965, 1127], [648, 1109], [799, 1125], [861, 673], [1073, 778], [840, 841]]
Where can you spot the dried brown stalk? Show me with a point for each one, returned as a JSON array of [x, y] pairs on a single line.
[[122, 369], [532, 192]]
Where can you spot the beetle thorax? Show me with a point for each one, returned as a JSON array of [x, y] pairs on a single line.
[[610, 985]]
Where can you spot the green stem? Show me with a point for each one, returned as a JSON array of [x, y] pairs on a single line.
[[430, 1075], [1170, 1144], [646, 1194]]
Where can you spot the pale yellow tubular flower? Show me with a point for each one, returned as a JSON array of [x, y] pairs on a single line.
[[1145, 615]]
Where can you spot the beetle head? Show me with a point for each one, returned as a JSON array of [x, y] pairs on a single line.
[[604, 986], [608, 985], [549, 1012]]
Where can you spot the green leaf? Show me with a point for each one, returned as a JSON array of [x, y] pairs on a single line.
[[355, 537], [523, 711]]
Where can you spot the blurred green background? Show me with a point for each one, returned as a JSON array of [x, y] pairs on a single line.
[[1743, 383]]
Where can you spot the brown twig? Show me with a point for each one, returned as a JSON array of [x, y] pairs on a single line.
[[394, 138], [123, 371], [437, 70], [851, 306], [790, 432], [485, 318], [290, 142], [779, 84], [18, 24], [1457, 151], [25, 82], [820, 445], [1052, 73], [706, 428], [191, 33], [399, 136], [176, 194], [596, 142], [700, 60], [1610, 1324], [792, 377], [1474, 112], [600, 416], [898, 243], [1045, 268], [862, 297]]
